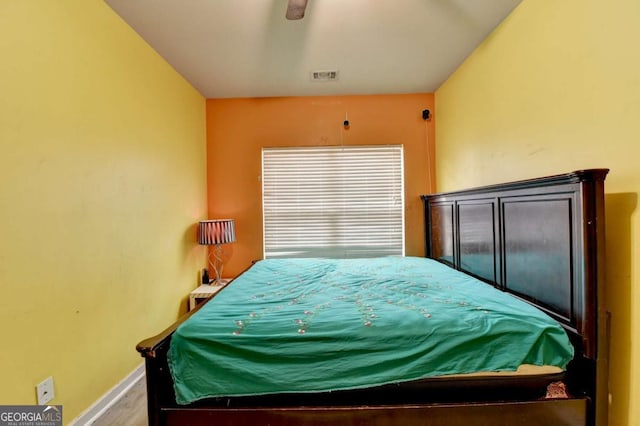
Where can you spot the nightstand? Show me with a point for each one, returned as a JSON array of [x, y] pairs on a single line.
[[204, 292]]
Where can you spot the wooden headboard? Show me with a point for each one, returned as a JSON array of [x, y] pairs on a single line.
[[541, 240]]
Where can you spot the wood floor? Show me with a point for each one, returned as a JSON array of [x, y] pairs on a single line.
[[131, 410]]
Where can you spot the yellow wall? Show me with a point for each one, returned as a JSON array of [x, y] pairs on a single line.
[[103, 176], [238, 129], [556, 88]]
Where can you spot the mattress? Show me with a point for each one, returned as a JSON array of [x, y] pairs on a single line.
[[292, 326]]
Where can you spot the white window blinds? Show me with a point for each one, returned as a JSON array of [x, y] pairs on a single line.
[[333, 201]]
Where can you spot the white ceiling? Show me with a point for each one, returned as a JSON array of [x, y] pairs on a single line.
[[246, 48]]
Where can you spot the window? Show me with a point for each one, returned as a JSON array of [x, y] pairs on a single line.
[[333, 201]]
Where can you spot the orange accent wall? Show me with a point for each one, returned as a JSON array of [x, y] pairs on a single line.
[[237, 129]]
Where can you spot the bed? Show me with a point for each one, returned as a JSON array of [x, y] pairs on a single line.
[[536, 245]]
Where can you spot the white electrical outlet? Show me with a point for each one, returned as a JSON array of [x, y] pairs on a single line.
[[44, 390]]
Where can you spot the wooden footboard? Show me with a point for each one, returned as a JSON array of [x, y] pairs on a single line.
[[567, 412]]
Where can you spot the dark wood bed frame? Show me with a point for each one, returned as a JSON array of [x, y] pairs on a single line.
[[541, 240]]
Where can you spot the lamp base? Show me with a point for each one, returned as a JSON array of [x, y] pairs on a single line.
[[215, 260], [219, 283]]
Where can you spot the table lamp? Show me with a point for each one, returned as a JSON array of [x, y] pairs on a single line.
[[215, 233]]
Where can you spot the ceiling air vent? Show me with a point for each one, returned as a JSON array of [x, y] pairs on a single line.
[[331, 75]]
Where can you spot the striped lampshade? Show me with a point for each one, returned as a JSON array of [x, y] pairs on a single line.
[[212, 232]]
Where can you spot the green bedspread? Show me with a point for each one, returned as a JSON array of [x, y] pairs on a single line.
[[308, 325]]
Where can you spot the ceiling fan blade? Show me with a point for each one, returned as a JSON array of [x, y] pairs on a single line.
[[295, 9]]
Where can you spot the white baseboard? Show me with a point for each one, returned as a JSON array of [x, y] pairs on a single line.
[[107, 400]]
